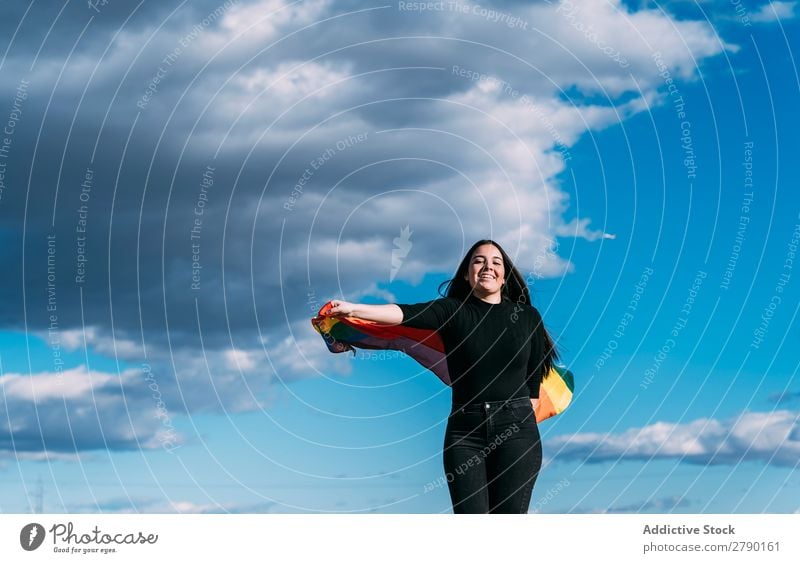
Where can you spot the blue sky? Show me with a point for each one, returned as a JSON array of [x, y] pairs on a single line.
[[330, 127]]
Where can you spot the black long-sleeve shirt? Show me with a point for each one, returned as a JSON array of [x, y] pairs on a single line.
[[493, 351]]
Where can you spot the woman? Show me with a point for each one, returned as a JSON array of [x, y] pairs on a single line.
[[497, 350]]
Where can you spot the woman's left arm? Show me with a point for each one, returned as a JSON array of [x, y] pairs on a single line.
[[534, 375]]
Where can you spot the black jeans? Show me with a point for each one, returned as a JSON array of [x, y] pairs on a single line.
[[492, 456]]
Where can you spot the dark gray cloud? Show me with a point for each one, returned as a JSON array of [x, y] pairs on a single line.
[[53, 28]]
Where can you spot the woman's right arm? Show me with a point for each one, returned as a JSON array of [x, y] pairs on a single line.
[[432, 315], [385, 314]]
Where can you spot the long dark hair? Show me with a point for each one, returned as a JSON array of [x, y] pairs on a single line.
[[514, 289]]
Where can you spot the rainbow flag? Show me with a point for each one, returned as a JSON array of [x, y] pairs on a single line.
[[425, 346]]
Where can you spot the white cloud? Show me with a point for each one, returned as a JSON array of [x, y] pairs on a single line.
[[607, 48], [578, 228], [289, 81], [137, 505], [241, 359], [61, 414], [66, 385], [771, 437], [774, 11], [214, 379], [261, 20], [103, 344]]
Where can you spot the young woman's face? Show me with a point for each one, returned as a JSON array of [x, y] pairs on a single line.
[[486, 272]]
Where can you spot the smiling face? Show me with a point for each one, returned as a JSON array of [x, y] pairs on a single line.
[[486, 271]]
